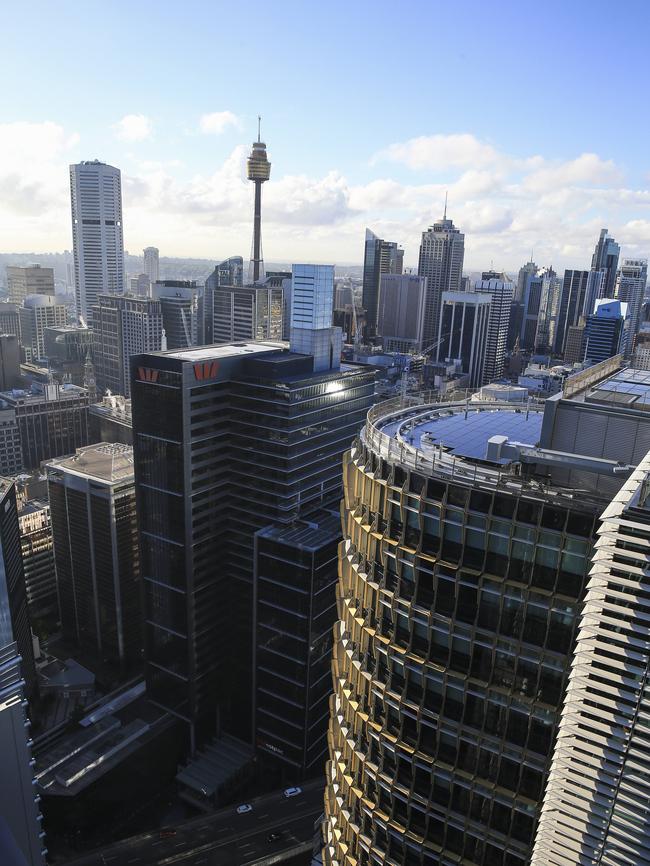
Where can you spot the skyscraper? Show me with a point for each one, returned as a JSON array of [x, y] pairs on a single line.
[[529, 269], [123, 325], [9, 362], [379, 257], [501, 291], [605, 258], [227, 439], [595, 290], [245, 313], [32, 280], [151, 263], [464, 319], [442, 251], [401, 312], [604, 330], [38, 313], [312, 302], [258, 170], [630, 288], [230, 272], [597, 803], [97, 234], [92, 500], [179, 303], [572, 303], [549, 311]]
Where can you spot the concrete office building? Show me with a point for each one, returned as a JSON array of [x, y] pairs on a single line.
[[110, 420], [605, 330], [92, 498], [123, 326], [379, 257], [597, 802], [9, 319], [9, 362], [245, 313], [630, 289], [68, 349], [97, 233], [501, 292], [217, 431], [35, 525], [151, 264], [21, 825], [140, 285], [605, 258], [32, 280], [574, 345], [11, 452], [230, 272], [38, 313], [293, 641], [442, 251], [401, 312], [51, 419], [572, 303], [464, 322], [179, 303]]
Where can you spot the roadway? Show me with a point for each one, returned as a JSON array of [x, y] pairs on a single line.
[[224, 838]]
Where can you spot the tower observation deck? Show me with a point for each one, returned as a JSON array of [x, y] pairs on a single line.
[[258, 169]]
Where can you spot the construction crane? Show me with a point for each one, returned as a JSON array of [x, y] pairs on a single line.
[[426, 352]]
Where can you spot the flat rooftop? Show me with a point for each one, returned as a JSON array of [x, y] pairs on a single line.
[[227, 350], [462, 431], [628, 388], [105, 461]]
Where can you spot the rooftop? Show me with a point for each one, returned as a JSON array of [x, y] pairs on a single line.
[[105, 461], [229, 350]]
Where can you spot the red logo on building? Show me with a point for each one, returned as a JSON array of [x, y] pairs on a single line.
[[146, 374], [206, 370]]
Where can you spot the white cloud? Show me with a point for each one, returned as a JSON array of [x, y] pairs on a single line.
[[218, 122], [441, 152], [133, 127]]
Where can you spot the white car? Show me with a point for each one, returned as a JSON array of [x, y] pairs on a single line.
[[245, 807], [292, 792]]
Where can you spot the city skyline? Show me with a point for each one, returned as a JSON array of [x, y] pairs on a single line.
[[181, 144]]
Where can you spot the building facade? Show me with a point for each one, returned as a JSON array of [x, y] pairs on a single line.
[[97, 233], [464, 323], [9, 362], [35, 525], [442, 251], [501, 292], [605, 330], [401, 312], [379, 257], [605, 258], [152, 264], [630, 289], [38, 313], [123, 326], [572, 303], [229, 272], [245, 313], [179, 303], [92, 500], [32, 280]]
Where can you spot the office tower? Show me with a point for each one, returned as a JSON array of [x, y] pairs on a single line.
[[258, 169], [227, 439], [179, 303], [18, 800], [92, 498], [9, 362], [312, 300], [293, 645], [109, 420], [379, 257], [527, 270], [605, 258], [11, 452], [572, 304], [596, 806], [123, 326], [35, 525], [400, 318], [245, 313], [514, 324], [32, 280], [501, 291], [604, 330], [38, 313], [9, 319], [460, 585], [549, 311], [140, 285], [595, 290], [52, 420], [68, 348], [230, 272], [574, 345], [97, 236], [442, 251], [151, 263], [630, 288], [464, 322]]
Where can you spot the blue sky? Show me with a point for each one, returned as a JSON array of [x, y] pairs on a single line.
[[534, 115]]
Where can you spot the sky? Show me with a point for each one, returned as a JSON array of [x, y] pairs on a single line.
[[533, 116]]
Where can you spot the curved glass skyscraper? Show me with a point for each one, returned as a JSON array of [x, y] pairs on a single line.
[[461, 572]]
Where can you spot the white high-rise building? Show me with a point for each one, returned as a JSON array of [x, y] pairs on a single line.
[[630, 288], [442, 251], [502, 293], [151, 263], [32, 280], [97, 235]]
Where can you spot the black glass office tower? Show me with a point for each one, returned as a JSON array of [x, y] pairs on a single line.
[[227, 439]]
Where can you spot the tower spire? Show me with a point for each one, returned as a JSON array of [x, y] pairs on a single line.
[[259, 127], [445, 214]]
